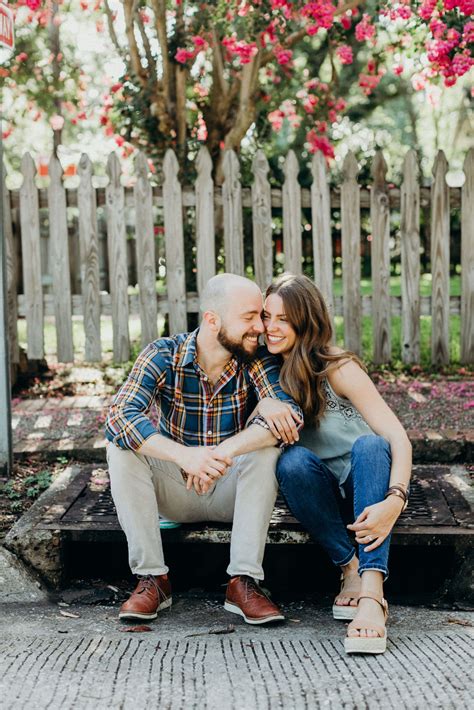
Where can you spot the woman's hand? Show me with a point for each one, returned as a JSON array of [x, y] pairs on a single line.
[[281, 418], [376, 521]]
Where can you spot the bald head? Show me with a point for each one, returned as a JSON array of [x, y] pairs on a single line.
[[224, 290]]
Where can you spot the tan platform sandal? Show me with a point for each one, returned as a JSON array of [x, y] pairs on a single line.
[[346, 612], [373, 644]]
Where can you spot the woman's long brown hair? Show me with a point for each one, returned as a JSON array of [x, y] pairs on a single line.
[[309, 361]]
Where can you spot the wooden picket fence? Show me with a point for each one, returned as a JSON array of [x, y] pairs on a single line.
[[22, 228]]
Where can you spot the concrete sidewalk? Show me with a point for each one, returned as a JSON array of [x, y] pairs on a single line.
[[60, 657]]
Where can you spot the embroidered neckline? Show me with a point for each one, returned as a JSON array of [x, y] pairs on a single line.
[[337, 404]]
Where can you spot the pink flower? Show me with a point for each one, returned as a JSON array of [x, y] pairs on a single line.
[[199, 42], [182, 55], [346, 22], [56, 122], [283, 56], [398, 69], [22, 57], [344, 54], [319, 143], [364, 30], [33, 4]]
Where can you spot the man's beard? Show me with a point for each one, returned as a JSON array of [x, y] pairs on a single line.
[[235, 347]]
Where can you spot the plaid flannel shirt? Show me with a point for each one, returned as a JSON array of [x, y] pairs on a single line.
[[191, 411]]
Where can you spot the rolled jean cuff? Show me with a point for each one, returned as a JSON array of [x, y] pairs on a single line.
[[368, 568], [346, 559]]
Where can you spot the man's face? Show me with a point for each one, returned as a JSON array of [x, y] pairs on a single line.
[[242, 324]]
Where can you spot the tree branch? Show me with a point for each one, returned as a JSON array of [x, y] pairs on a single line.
[[146, 42], [112, 33], [159, 8], [129, 7]]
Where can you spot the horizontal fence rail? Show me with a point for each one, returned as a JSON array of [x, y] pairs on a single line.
[[79, 252]]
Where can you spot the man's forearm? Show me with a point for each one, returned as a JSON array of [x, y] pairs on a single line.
[[160, 447], [252, 438]]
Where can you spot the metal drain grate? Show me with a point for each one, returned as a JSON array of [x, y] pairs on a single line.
[[93, 507]]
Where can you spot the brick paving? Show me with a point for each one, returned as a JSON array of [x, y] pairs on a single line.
[[76, 424]]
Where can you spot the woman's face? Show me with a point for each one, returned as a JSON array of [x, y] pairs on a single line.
[[280, 336]]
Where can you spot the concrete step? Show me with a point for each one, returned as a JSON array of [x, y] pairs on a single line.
[[73, 529]]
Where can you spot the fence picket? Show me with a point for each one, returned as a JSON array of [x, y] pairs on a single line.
[[380, 260], [233, 224], [145, 246], [31, 262], [440, 262], [321, 220], [291, 196], [11, 277], [59, 261], [350, 237], [410, 259], [117, 251], [467, 261], [89, 251], [205, 238], [174, 244], [262, 221]]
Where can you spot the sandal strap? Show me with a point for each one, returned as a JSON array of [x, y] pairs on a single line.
[[367, 625], [347, 591], [376, 598]]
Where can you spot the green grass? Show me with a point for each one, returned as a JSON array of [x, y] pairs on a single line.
[[396, 286], [367, 346], [425, 339]]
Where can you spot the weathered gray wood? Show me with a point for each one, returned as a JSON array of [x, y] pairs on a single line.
[[440, 262], [380, 260], [205, 233], [59, 262], [321, 221], [232, 206], [145, 248], [192, 305], [410, 259], [11, 277], [31, 259], [291, 196], [350, 237], [262, 221], [117, 251], [467, 262], [89, 251], [175, 274]]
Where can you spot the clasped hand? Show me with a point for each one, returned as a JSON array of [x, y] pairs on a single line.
[[203, 466], [281, 419], [375, 522]]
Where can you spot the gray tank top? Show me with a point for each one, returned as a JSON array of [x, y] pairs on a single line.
[[338, 429]]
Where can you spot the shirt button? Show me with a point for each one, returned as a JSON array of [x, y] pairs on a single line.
[[209, 433]]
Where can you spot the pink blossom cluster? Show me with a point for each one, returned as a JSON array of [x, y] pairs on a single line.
[[364, 30], [344, 54], [317, 142], [321, 15], [183, 55], [466, 7], [245, 51]]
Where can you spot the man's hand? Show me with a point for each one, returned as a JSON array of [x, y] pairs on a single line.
[[281, 418], [376, 521], [203, 464]]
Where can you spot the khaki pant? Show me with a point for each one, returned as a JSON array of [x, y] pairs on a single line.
[[142, 487]]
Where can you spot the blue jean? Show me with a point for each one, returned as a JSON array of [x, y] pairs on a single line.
[[313, 496]]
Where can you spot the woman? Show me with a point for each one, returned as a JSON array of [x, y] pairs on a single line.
[[352, 449]]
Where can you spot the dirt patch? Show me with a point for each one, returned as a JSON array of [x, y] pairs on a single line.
[[28, 480]]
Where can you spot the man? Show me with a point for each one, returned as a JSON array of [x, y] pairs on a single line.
[[205, 463]]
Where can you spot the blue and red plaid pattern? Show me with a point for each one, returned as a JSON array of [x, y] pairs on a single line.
[[191, 411]]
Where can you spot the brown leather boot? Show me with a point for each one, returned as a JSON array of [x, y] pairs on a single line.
[[151, 596], [244, 597]]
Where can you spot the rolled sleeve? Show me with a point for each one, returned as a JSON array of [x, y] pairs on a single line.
[[264, 373], [128, 425]]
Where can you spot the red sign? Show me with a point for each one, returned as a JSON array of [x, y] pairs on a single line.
[[7, 38]]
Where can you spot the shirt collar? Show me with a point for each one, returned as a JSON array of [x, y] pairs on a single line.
[[188, 349]]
